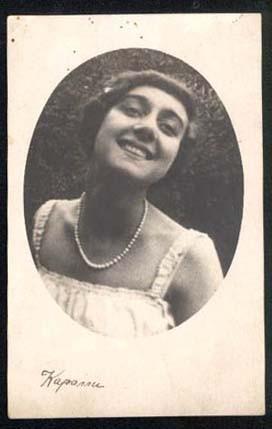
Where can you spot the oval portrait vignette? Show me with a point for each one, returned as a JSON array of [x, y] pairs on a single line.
[[133, 193]]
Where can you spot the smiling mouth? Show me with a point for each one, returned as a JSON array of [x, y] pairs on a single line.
[[134, 149]]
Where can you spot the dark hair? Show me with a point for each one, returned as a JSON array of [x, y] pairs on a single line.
[[114, 89]]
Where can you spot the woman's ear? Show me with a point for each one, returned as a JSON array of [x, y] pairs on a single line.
[[192, 131]]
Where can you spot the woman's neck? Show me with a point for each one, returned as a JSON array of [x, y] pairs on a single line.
[[112, 207]]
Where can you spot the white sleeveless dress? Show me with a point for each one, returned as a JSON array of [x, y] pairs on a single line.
[[115, 311]]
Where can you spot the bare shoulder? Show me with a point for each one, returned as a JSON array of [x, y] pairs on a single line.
[[63, 214], [54, 217], [57, 232], [197, 278], [200, 266], [201, 253], [199, 273]]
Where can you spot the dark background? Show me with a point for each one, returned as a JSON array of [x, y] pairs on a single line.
[[207, 191]]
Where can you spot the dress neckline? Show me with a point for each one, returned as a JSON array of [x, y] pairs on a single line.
[[87, 285], [165, 271]]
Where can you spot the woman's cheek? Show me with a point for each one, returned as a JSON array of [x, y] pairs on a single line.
[[119, 120], [172, 150]]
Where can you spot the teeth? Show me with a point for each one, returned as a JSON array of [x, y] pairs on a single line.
[[135, 150]]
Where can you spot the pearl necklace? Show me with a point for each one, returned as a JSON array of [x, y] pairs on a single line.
[[121, 255]]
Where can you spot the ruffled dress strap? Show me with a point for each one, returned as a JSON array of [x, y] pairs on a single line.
[[40, 219], [172, 261]]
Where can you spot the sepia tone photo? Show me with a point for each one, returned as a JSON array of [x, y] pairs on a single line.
[[158, 192], [132, 199]]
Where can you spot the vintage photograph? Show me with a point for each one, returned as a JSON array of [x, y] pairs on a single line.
[[135, 216], [135, 178]]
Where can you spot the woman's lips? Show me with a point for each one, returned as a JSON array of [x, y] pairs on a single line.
[[135, 148]]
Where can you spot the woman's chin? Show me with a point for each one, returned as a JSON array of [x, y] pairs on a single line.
[[132, 172]]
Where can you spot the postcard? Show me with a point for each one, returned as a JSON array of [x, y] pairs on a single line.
[[135, 216]]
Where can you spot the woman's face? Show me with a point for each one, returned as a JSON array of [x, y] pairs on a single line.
[[140, 136]]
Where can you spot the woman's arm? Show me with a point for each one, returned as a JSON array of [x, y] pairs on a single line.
[[196, 280]]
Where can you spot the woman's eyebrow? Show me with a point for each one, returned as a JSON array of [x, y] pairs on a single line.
[[143, 100]]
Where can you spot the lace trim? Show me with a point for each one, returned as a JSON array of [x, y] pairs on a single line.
[[94, 287], [172, 260], [40, 220]]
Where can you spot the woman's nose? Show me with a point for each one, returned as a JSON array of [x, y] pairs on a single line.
[[144, 133]]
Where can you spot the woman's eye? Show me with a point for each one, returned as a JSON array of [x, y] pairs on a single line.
[[132, 111], [168, 129]]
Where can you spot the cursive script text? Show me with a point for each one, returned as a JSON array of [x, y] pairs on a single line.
[[56, 381]]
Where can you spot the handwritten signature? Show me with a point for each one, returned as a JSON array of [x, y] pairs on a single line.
[[52, 379]]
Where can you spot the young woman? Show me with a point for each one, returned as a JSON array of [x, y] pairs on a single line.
[[114, 262]]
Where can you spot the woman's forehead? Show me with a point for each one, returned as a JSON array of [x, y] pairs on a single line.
[[158, 98]]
